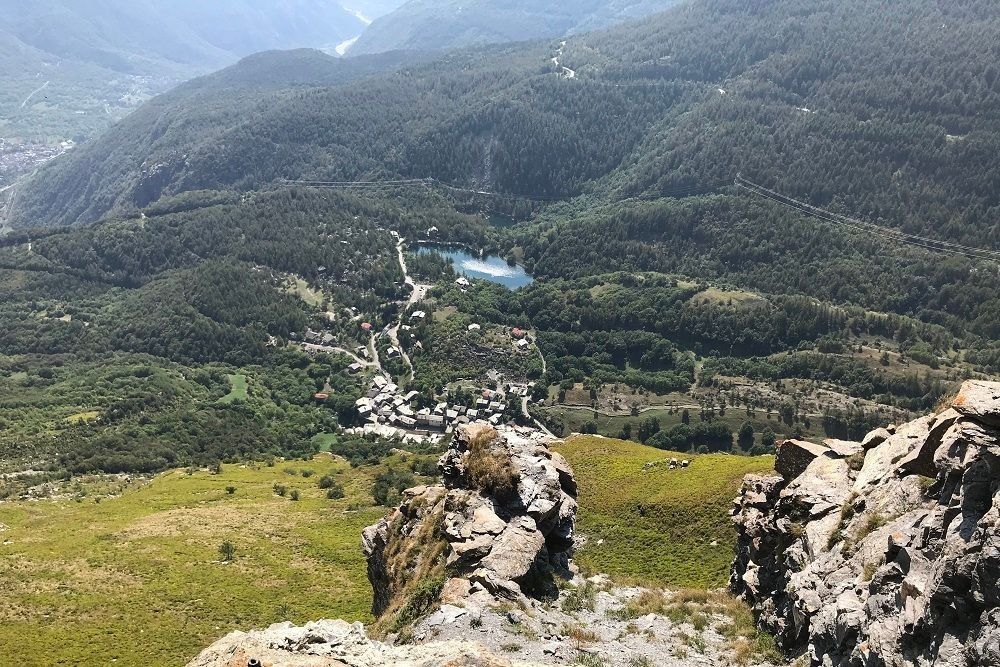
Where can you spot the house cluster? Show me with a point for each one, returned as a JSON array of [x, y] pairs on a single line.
[[316, 342], [386, 404], [17, 157], [319, 337], [521, 341], [361, 352]]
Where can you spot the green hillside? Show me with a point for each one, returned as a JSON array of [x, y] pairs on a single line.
[[88, 573], [89, 577], [648, 523]]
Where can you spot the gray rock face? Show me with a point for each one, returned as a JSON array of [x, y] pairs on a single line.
[[794, 456], [895, 564], [506, 543], [341, 644]]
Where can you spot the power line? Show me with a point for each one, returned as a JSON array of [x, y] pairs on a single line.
[[866, 227]]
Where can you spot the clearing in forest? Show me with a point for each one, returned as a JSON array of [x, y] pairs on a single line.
[[239, 389]]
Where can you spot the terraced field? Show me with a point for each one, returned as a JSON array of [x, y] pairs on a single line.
[[655, 525]]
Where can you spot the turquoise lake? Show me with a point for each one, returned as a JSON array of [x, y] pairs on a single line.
[[495, 269]]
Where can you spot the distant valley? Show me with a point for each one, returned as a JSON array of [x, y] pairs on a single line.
[[72, 71]]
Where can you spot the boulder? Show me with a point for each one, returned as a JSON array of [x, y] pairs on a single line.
[[515, 550], [875, 438], [980, 401], [794, 456], [920, 459], [843, 448], [883, 460]]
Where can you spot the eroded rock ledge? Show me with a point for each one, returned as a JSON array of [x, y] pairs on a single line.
[[883, 552], [500, 526], [498, 529]]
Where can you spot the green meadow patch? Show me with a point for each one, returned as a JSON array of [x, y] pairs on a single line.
[[654, 525], [138, 579], [239, 389], [325, 441]]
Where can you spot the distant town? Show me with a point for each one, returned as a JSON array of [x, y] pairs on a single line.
[[18, 158]]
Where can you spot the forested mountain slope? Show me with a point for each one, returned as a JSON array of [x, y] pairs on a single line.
[[658, 282], [885, 110], [879, 111], [444, 24]]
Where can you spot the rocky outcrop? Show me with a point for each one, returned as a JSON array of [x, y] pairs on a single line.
[[339, 644], [592, 623], [500, 525], [884, 552]]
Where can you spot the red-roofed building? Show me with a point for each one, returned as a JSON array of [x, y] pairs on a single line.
[[517, 333], [366, 326]]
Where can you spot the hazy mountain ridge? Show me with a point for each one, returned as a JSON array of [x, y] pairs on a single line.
[[444, 24], [151, 36], [689, 97], [100, 59]]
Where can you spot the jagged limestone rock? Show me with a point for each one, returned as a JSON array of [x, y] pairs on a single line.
[[895, 564], [502, 520], [794, 456]]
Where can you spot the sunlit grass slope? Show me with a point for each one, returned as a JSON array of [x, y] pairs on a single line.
[[137, 579], [656, 525]]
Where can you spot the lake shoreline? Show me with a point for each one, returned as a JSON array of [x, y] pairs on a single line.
[[480, 266]]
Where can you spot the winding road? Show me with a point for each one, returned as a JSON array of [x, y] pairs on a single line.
[[417, 294], [527, 414], [34, 92], [566, 72]]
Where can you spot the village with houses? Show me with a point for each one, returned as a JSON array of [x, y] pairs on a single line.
[[18, 157], [391, 411], [387, 411]]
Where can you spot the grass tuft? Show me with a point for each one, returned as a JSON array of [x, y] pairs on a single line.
[[489, 466]]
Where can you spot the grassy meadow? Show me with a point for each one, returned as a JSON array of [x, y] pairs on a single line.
[[138, 580], [656, 526], [240, 389]]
